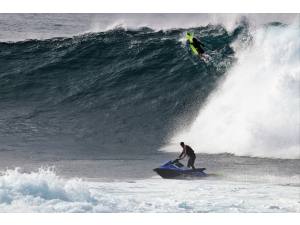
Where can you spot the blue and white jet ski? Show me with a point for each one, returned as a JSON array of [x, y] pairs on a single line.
[[175, 169]]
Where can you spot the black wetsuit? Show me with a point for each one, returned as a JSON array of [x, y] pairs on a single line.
[[198, 45], [191, 154]]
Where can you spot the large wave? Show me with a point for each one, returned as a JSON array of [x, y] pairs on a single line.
[[255, 110], [126, 92], [118, 91]]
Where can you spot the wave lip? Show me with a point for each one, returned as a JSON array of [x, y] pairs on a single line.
[[18, 27], [99, 89]]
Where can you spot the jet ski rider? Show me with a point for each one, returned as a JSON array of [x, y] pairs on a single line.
[[188, 151]]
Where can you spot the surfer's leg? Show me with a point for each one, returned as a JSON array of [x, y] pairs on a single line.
[[201, 50]]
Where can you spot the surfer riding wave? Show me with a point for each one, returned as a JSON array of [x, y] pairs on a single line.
[[196, 46]]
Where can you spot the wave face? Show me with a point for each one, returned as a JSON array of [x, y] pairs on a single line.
[[255, 110], [128, 91], [115, 91]]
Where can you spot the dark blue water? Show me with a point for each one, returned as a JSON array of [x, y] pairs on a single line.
[[109, 92], [111, 99], [92, 99]]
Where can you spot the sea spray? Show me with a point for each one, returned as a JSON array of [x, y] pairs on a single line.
[[255, 111], [45, 191]]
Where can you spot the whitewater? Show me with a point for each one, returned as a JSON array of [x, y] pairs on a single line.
[[44, 191], [255, 109], [91, 104]]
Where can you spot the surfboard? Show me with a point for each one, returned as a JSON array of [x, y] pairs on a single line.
[[194, 50]]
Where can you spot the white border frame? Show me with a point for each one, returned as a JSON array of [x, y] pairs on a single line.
[[150, 6]]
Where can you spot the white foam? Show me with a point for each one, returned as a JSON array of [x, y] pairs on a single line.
[[256, 110], [19, 27], [102, 22], [44, 191]]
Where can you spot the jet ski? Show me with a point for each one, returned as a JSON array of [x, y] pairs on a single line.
[[175, 169]]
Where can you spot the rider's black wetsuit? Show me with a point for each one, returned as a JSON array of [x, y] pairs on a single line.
[[198, 45], [191, 154]]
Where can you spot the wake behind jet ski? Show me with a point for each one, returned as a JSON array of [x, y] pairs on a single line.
[[175, 169]]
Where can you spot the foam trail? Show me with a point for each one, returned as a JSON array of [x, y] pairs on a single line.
[[255, 111]]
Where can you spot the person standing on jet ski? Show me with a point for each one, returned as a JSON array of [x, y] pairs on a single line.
[[195, 44], [188, 151]]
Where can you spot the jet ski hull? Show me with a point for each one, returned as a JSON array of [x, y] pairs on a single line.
[[171, 173], [174, 169]]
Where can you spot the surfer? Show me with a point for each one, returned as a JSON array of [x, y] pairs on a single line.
[[196, 46], [188, 151]]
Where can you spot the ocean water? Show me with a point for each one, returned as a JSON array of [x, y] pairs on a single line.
[[44, 191], [90, 104]]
